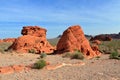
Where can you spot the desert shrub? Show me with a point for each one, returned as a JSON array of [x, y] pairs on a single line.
[[67, 55], [108, 47], [4, 46], [43, 55], [32, 51], [97, 57], [115, 55], [40, 64], [77, 55]]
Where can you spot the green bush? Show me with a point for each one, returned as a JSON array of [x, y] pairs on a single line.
[[77, 55], [32, 51], [97, 57], [43, 55], [40, 64], [115, 55]]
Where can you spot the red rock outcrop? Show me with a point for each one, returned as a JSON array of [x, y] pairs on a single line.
[[9, 39], [13, 68], [34, 38], [34, 31], [73, 39], [101, 38], [1, 40], [95, 48], [96, 42]]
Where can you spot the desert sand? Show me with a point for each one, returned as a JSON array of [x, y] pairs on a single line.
[[101, 68]]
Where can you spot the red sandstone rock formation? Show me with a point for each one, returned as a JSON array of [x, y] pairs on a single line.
[[95, 48], [73, 39], [34, 31], [9, 39], [101, 38], [96, 42], [14, 68], [34, 39], [1, 40]]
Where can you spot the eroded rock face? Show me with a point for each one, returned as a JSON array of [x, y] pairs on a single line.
[[34, 31], [101, 38], [73, 39], [34, 39]]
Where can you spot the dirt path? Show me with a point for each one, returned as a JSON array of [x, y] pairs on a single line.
[[94, 69]]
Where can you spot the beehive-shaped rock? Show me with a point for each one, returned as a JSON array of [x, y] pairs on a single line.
[[73, 39]]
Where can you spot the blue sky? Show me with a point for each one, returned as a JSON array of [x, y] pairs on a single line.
[[95, 16]]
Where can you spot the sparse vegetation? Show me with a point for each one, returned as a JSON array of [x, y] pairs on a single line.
[[108, 47], [43, 55], [4, 46], [40, 64], [76, 55], [115, 55], [32, 51], [97, 56]]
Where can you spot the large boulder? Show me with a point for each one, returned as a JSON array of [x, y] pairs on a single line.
[[73, 39], [32, 40]]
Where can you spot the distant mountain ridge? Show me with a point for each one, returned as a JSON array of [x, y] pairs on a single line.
[[114, 35]]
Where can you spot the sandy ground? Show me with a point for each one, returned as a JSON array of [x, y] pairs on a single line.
[[94, 69]]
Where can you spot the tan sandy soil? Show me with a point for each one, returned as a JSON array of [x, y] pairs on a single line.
[[94, 69]]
